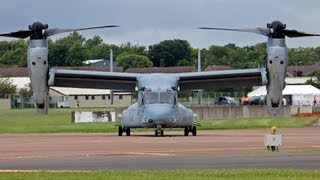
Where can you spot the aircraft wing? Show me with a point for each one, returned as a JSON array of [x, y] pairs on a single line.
[[222, 79], [93, 79]]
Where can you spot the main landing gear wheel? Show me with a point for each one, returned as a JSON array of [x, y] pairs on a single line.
[[192, 129], [128, 131], [120, 131], [186, 131]]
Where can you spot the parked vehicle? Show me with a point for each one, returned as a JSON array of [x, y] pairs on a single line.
[[225, 101], [257, 100]]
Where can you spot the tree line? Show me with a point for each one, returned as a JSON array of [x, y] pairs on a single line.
[[74, 49]]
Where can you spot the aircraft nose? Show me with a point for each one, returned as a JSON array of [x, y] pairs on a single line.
[[159, 112]]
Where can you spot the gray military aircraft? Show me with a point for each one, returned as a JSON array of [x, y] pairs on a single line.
[[277, 58], [157, 105], [37, 59]]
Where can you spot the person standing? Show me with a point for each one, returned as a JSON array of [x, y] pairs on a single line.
[[243, 100], [315, 100]]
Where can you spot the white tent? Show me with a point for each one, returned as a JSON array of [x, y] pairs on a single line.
[[300, 94]]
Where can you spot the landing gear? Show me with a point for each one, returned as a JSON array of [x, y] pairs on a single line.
[[122, 129], [159, 130], [128, 131], [192, 129], [186, 131]]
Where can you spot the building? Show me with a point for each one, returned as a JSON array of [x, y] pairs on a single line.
[[298, 80], [89, 98], [302, 70], [217, 68], [71, 97]]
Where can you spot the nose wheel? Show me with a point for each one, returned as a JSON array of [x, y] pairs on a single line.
[[158, 131]]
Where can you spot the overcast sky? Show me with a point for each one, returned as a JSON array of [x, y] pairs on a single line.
[[147, 22]]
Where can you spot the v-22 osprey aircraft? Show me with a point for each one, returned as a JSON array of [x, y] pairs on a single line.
[[157, 105]]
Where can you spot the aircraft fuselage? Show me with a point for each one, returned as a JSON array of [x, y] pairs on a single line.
[[157, 105]]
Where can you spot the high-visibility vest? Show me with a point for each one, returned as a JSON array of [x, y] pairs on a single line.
[[273, 129]]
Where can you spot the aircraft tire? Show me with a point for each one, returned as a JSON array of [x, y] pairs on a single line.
[[120, 131], [194, 130], [186, 131], [128, 131], [161, 132], [156, 132]]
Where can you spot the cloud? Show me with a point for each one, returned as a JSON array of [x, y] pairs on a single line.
[[147, 22]]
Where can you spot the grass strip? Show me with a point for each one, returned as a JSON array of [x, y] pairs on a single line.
[[168, 174], [59, 121]]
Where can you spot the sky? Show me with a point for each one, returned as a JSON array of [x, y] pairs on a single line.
[[147, 22]]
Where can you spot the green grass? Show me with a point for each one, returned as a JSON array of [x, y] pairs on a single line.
[[252, 123], [169, 174], [59, 120]]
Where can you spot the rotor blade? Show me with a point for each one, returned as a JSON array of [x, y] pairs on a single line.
[[295, 33], [50, 32], [263, 31], [18, 34]]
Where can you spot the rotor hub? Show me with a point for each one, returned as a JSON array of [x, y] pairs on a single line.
[[38, 30], [277, 28]]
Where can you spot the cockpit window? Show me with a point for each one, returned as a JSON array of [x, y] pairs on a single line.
[[167, 97], [151, 97]]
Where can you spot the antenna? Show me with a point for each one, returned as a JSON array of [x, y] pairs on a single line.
[[199, 60], [111, 60]]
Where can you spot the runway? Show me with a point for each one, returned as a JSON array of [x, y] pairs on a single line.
[[210, 149]]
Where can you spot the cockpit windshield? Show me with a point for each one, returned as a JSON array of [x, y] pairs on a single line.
[[151, 97]]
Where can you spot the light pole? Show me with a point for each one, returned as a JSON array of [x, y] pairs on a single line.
[[296, 70]]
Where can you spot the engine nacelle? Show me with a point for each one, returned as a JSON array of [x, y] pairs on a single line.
[[276, 64], [38, 72]]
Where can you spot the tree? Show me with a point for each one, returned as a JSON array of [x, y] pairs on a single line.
[[93, 42], [68, 51], [25, 92], [316, 82], [133, 61], [132, 49], [7, 87], [13, 53], [76, 55], [219, 55], [170, 52], [184, 62], [102, 51]]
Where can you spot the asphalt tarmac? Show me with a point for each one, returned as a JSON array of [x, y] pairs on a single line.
[[210, 149]]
